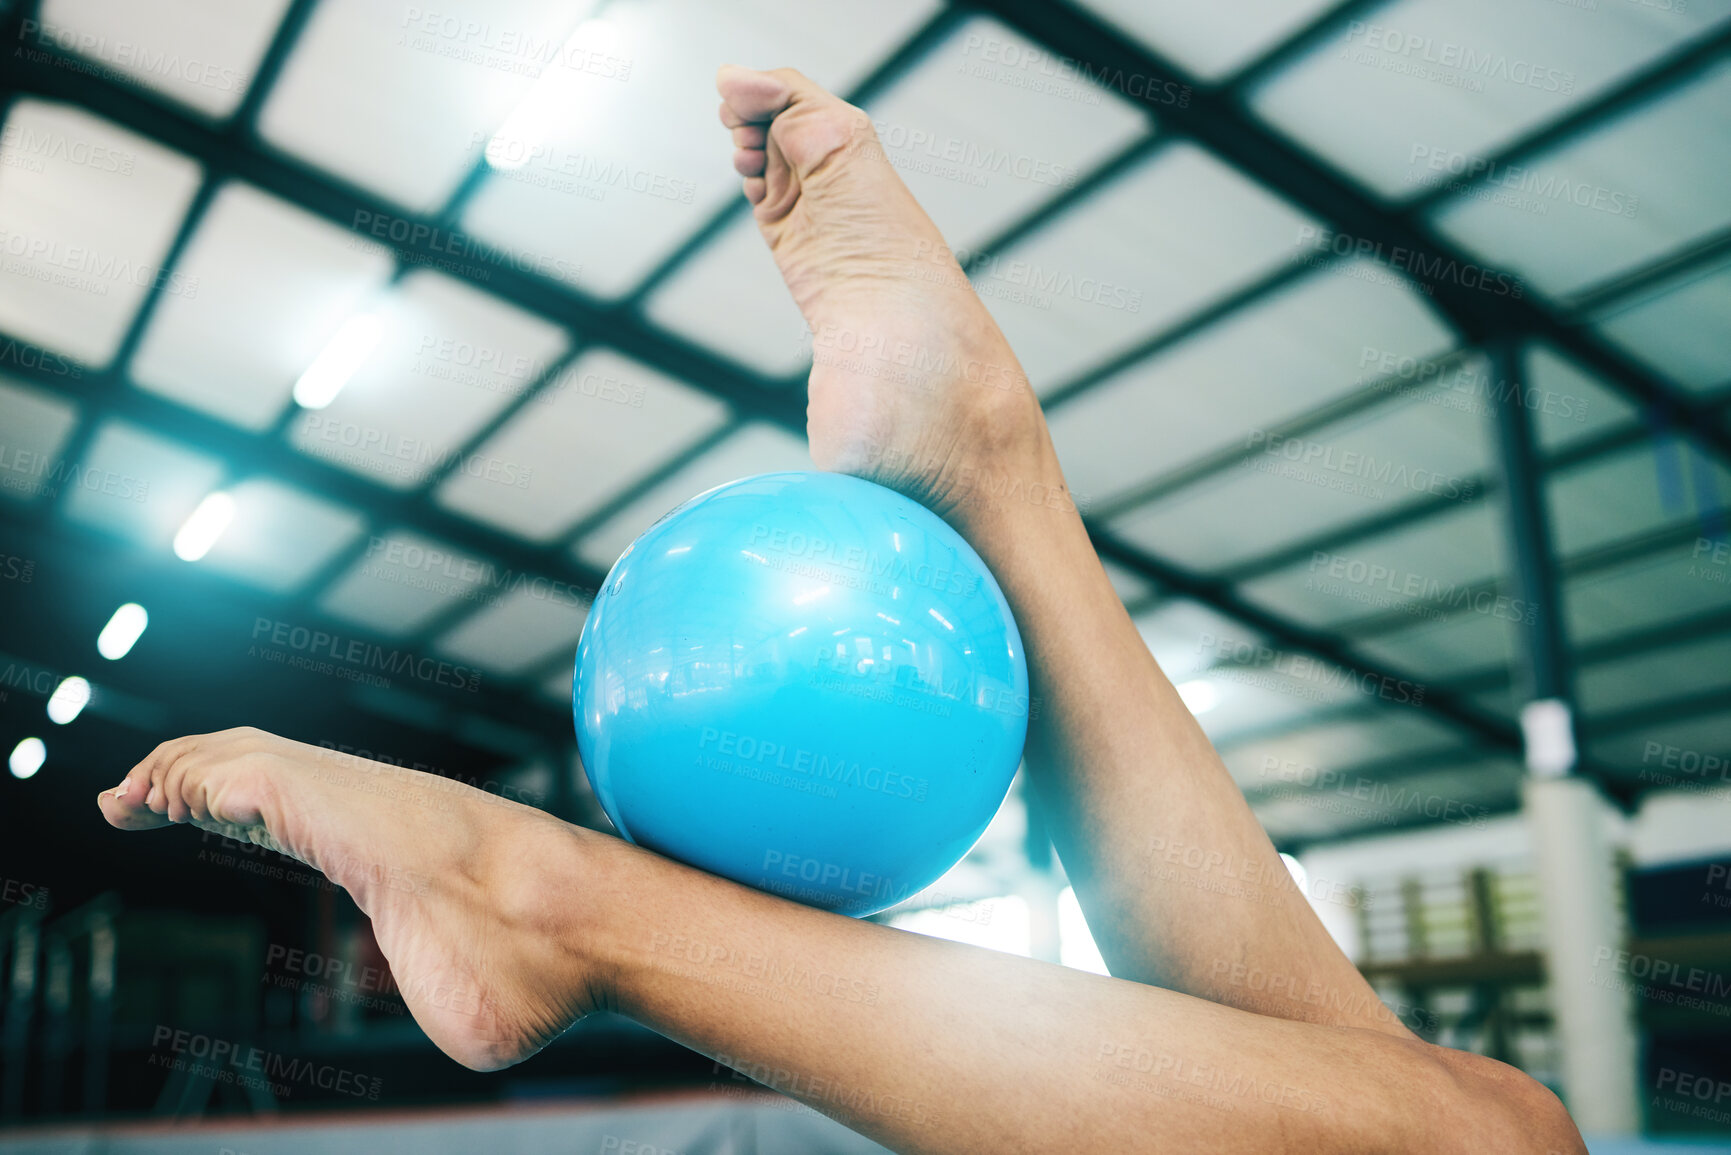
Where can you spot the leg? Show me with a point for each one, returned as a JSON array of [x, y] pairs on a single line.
[[1179, 882], [503, 926]]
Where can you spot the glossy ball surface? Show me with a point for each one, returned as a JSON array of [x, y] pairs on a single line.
[[804, 682]]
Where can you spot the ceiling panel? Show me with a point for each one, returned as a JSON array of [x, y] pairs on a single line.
[[1439, 649], [1298, 758], [1464, 795], [1212, 40], [1672, 584], [1322, 338], [1186, 637], [1610, 200], [281, 536], [1424, 571], [34, 427], [399, 99], [629, 158], [979, 154], [1630, 492], [87, 213], [1567, 405], [274, 285], [449, 358], [1697, 667], [1679, 329], [603, 423], [1171, 235], [404, 580], [201, 53], [756, 448], [518, 633], [1289, 490], [137, 485], [1670, 754], [1460, 78]]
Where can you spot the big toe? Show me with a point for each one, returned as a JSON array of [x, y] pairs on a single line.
[[752, 97]]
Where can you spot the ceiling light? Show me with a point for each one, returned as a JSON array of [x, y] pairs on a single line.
[[68, 700], [27, 758], [1200, 696], [341, 358], [204, 527], [117, 637]]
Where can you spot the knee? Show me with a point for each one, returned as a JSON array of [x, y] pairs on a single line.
[[1513, 1111]]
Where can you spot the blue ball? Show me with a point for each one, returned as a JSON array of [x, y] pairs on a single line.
[[806, 683]]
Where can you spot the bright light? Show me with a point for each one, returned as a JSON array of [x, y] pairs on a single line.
[[1200, 696], [1299, 875], [994, 923], [556, 95], [27, 758], [204, 527], [68, 700], [117, 637], [345, 353], [1076, 947]]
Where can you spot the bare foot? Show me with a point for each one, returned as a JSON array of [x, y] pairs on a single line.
[[912, 384], [463, 888]]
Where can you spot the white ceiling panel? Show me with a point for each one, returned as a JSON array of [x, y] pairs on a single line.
[[602, 424], [756, 448], [633, 158], [730, 297], [1210, 40], [1680, 330], [1425, 571], [1423, 79], [281, 536], [518, 632], [1170, 236], [137, 485], [1187, 637], [1656, 752], [1301, 756], [1683, 671], [405, 580], [202, 53], [1674, 583], [87, 213], [1567, 405], [34, 428], [1130, 588], [1630, 492], [1612, 200], [1287, 491], [400, 99], [274, 285], [558, 688], [1463, 794], [449, 359], [1322, 338], [978, 155]]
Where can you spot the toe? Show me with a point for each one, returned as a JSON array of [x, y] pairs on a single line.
[[752, 97], [750, 136], [756, 188], [749, 161]]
